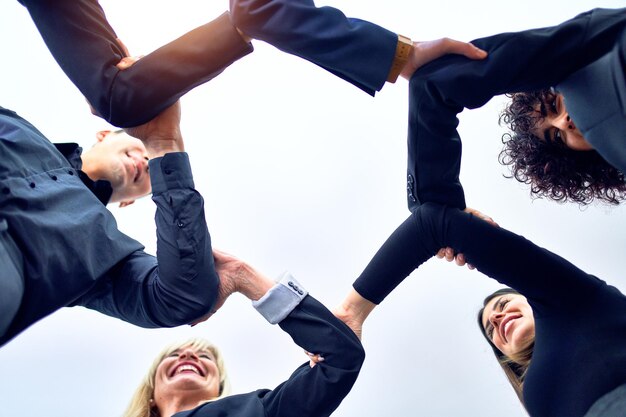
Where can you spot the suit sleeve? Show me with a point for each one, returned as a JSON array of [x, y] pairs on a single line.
[[355, 50], [522, 61], [180, 284], [317, 391], [535, 272], [85, 46], [595, 97]]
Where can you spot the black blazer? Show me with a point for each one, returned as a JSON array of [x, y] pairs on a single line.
[[522, 61], [309, 392], [85, 46], [595, 97]]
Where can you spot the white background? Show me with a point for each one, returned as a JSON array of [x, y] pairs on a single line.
[[300, 171]]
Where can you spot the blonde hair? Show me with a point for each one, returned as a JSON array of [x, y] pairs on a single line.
[[516, 365], [140, 404]]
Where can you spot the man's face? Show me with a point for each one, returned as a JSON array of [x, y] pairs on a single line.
[[123, 161]]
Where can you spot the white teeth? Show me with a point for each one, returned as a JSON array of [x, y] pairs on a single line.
[[183, 368], [506, 326]]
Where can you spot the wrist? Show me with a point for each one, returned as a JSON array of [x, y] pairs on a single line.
[[245, 37], [251, 283], [159, 145], [357, 307], [404, 51]]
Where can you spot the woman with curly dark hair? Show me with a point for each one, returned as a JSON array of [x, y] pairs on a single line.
[[546, 150], [532, 60]]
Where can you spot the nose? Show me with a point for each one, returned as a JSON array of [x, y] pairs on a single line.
[[563, 121], [188, 354], [495, 318]]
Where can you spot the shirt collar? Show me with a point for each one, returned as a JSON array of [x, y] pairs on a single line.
[[101, 189]]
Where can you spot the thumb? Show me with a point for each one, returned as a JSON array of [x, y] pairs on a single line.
[[127, 62]]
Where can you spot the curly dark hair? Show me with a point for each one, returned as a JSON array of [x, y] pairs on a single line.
[[551, 168]]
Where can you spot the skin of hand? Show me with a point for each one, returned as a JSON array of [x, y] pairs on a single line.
[[426, 51], [459, 258], [353, 311], [236, 276], [161, 134], [314, 359], [245, 37]]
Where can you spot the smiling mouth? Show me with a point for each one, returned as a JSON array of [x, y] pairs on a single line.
[[186, 368], [506, 325], [137, 172]]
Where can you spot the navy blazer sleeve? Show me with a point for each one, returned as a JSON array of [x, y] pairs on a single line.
[[355, 50], [522, 61], [309, 392], [595, 97], [85, 46], [498, 253], [180, 284]]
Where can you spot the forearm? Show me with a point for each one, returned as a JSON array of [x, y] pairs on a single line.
[[85, 46], [180, 285], [317, 391], [400, 255], [522, 61], [358, 51], [185, 260], [494, 251], [309, 392]]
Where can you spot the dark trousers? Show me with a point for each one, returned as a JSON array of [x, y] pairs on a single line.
[[85, 46]]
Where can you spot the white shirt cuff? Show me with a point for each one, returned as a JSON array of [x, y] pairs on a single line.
[[281, 299]]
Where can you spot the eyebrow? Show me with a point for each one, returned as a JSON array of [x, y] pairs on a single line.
[[542, 109], [547, 137]]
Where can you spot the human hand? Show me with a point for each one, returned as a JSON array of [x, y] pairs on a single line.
[[161, 134], [449, 253], [228, 269], [481, 216], [314, 358], [128, 60], [425, 51], [353, 311], [238, 276], [345, 314]]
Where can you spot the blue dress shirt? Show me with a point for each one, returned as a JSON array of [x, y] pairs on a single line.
[[69, 251]]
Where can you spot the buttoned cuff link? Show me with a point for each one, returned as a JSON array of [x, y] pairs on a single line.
[[281, 299]]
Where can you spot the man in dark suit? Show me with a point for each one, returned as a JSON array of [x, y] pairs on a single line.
[[87, 49]]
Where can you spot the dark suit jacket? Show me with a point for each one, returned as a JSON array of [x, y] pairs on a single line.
[[358, 51], [85, 46], [595, 97], [309, 392], [523, 61]]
